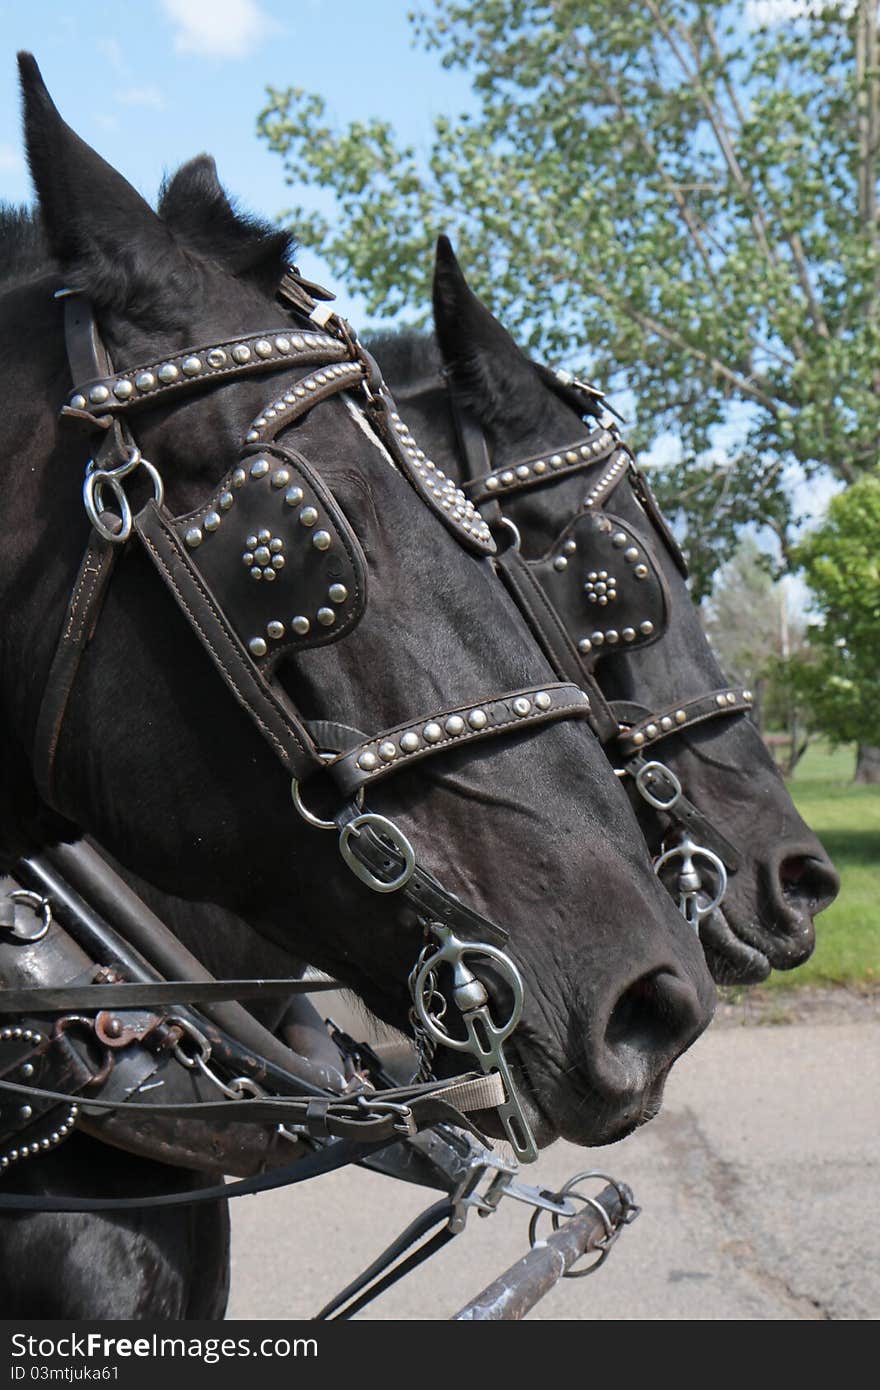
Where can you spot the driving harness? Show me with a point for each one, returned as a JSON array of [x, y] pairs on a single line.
[[265, 566], [598, 590]]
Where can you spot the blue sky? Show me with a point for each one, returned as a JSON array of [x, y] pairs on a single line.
[[153, 83]]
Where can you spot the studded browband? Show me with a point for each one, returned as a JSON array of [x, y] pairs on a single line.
[[650, 730]]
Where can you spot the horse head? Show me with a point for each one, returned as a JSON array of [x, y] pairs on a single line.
[[385, 615]]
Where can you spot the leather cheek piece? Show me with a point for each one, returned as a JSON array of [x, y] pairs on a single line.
[[602, 579], [278, 554]]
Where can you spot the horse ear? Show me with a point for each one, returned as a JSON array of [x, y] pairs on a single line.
[[106, 238], [194, 204], [486, 365]]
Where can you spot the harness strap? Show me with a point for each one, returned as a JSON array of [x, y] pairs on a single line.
[[346, 1303], [82, 614], [51, 999], [674, 720], [662, 790], [543, 468], [408, 743]]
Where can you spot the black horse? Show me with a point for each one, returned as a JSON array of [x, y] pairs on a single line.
[[159, 764], [784, 878]]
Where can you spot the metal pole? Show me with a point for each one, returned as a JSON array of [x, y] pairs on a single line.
[[515, 1292]]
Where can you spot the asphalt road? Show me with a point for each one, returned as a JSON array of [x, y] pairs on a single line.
[[758, 1183]]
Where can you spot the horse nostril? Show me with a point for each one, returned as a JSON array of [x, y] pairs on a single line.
[[655, 1019], [808, 884]]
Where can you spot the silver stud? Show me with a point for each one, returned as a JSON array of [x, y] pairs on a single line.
[[98, 395], [410, 742], [259, 468], [239, 477], [252, 436], [556, 460], [123, 389], [646, 628], [543, 700], [628, 634], [478, 719], [522, 706], [507, 477], [278, 562], [27, 1070], [560, 563], [241, 353], [78, 402], [523, 470], [618, 539], [638, 740], [191, 366], [387, 751], [432, 733], [731, 698], [631, 554], [225, 500], [641, 571], [212, 521], [570, 548], [338, 593], [326, 617], [193, 537], [25, 1112], [666, 723], [167, 373], [257, 646], [269, 575], [263, 348], [262, 555], [300, 625], [454, 725], [747, 695], [585, 646], [680, 716], [491, 484], [597, 638], [293, 496], [571, 456], [611, 636], [275, 629], [216, 357], [651, 731], [281, 477], [322, 540], [368, 761], [282, 344]]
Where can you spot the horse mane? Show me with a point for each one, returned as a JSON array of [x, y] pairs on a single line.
[[406, 354], [24, 251], [195, 208]]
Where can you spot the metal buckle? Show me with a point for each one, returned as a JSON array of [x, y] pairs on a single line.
[[388, 832], [653, 770]]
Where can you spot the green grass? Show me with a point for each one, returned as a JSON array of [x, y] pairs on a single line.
[[847, 820]]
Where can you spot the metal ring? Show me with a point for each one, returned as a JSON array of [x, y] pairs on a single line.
[[384, 828], [516, 543], [309, 816], [611, 1231], [514, 979], [92, 501], [38, 904], [204, 1053]]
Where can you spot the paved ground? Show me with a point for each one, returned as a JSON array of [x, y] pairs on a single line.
[[758, 1184]]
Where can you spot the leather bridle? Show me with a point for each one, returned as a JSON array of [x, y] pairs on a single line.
[[273, 493], [630, 732]]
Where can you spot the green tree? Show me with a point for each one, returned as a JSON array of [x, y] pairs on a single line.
[[841, 562], [663, 192], [759, 641]]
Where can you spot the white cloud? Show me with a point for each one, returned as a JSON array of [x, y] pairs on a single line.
[[148, 96], [220, 29], [11, 161]]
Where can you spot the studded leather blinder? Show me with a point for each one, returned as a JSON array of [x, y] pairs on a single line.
[[274, 547], [601, 578]]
